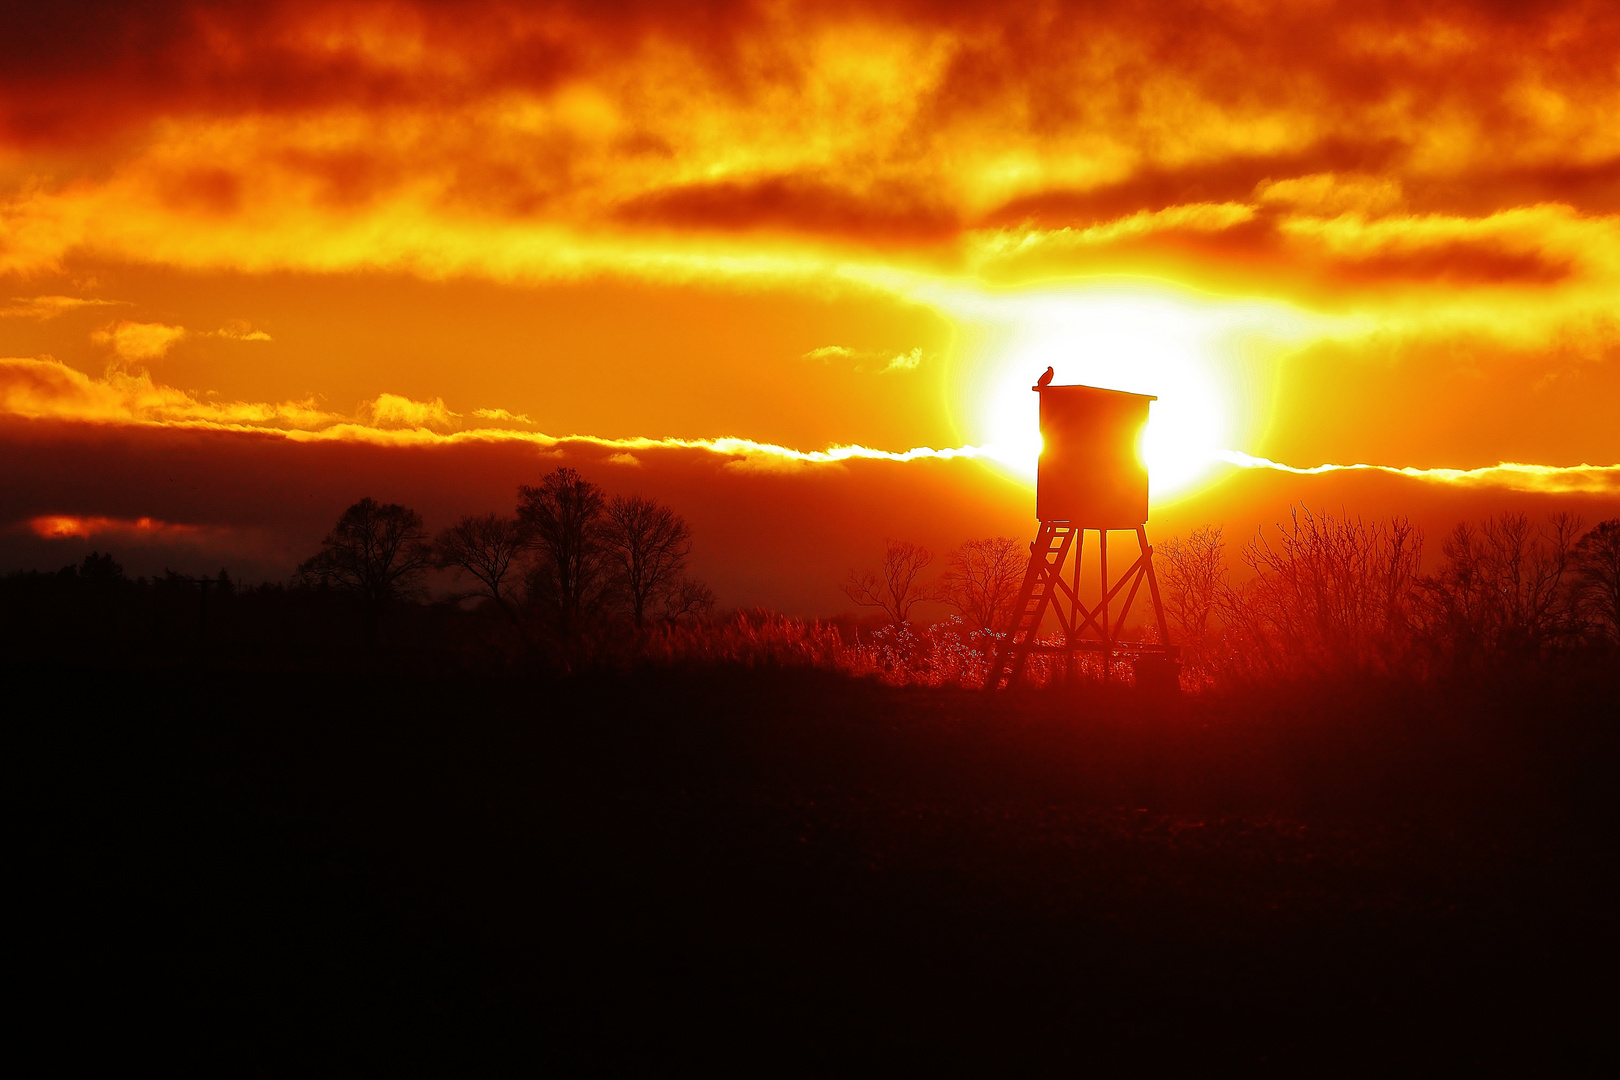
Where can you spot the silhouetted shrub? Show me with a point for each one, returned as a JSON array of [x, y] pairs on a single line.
[[1193, 575], [1327, 594], [1597, 566], [1503, 592]]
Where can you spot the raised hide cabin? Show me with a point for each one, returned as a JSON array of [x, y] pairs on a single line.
[[1091, 471]]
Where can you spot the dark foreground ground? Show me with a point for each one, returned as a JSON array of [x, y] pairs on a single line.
[[791, 874]]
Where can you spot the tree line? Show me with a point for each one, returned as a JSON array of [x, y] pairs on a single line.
[[564, 567], [981, 581], [1321, 592], [1329, 593], [572, 576]]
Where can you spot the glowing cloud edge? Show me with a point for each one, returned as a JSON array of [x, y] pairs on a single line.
[[44, 389]]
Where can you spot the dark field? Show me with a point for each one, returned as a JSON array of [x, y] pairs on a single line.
[[790, 873]]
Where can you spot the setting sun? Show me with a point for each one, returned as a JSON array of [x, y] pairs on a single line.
[[1207, 360]]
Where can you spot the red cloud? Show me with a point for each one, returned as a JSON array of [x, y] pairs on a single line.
[[793, 204], [62, 526], [524, 141]]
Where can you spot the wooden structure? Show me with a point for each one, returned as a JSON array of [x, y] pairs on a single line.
[[1090, 479]]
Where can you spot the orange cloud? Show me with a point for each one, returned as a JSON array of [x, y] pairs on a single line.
[[869, 360], [139, 341], [48, 307], [829, 352], [392, 410], [241, 331], [501, 416], [62, 526], [45, 388], [906, 361]]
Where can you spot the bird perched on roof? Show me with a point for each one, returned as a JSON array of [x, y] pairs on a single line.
[[1044, 381]]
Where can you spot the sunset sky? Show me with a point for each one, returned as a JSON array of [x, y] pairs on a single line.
[[793, 267]]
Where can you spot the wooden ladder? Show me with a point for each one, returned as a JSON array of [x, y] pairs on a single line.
[[1047, 556]]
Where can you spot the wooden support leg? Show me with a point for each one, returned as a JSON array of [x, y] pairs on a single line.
[[1108, 637], [1153, 585]]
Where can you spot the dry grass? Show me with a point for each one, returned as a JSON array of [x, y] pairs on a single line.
[[945, 654]]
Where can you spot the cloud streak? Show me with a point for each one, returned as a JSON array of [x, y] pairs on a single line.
[[242, 331], [1515, 476], [45, 389], [45, 308], [910, 360]]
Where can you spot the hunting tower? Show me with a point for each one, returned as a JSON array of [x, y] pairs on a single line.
[[1090, 479]]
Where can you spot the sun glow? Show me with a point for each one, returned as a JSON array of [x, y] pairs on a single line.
[[1204, 359]]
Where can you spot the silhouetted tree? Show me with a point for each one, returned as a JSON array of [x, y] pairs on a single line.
[[377, 551], [983, 580], [1597, 562], [1192, 572], [101, 595], [1328, 593], [686, 596], [648, 544], [895, 587], [99, 571], [487, 547], [1530, 571], [1502, 589], [1457, 600], [562, 520]]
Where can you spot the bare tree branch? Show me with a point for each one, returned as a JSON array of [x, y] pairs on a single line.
[[983, 580], [686, 597], [648, 544], [897, 590], [486, 547], [1597, 560], [1328, 592], [1504, 588], [377, 551], [562, 520], [1193, 572]]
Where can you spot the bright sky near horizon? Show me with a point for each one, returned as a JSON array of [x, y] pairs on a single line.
[[744, 237]]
